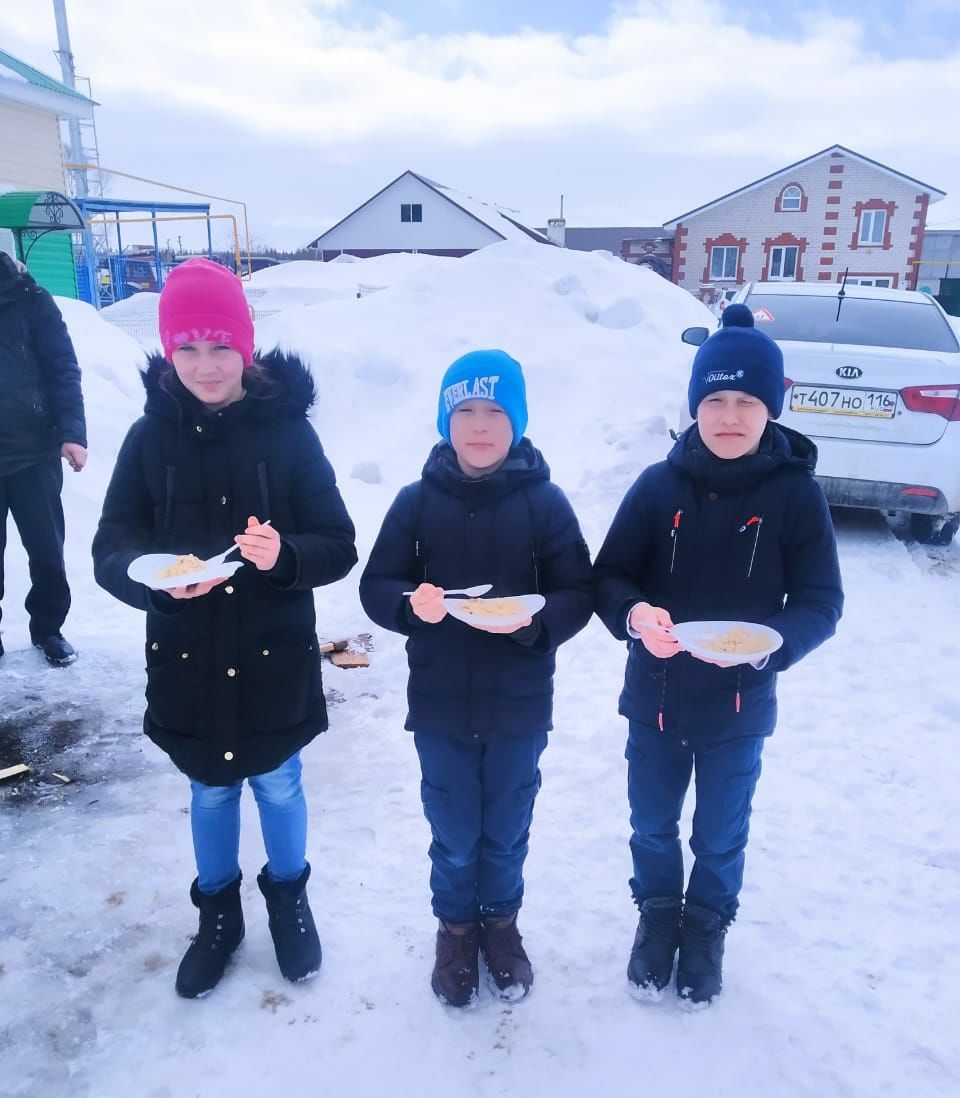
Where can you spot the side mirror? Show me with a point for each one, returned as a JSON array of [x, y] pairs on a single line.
[[695, 336]]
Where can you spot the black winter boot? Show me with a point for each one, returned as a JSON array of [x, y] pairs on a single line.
[[700, 968], [292, 928], [456, 973], [509, 968], [221, 931], [654, 946], [57, 651]]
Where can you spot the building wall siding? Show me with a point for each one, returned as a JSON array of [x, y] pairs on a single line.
[[31, 152]]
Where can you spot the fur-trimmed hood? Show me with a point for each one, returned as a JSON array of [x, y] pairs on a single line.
[[287, 392]]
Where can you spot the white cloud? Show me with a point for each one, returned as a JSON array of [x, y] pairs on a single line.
[[672, 74]]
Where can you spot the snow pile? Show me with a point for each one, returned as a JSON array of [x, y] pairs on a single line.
[[842, 969]]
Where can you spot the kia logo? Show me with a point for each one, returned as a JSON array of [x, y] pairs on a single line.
[[849, 371]]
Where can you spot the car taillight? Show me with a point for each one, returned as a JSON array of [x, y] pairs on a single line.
[[787, 382], [941, 400]]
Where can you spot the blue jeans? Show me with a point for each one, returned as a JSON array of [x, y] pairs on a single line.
[[658, 776], [478, 799], [215, 822]]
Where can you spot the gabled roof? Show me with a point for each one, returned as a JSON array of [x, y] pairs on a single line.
[[935, 195], [25, 84], [506, 227]]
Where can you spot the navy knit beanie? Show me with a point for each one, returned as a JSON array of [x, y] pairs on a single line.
[[484, 375], [739, 357]]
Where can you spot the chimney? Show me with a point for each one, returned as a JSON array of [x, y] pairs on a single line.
[[557, 231]]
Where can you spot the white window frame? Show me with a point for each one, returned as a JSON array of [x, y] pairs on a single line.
[[792, 194], [882, 282], [782, 249], [872, 219], [714, 277]]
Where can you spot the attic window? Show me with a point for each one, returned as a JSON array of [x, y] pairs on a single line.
[[791, 198], [411, 211]]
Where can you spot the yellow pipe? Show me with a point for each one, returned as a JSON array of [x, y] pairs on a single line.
[[173, 187]]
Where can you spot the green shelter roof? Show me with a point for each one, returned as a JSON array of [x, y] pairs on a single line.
[[38, 210]]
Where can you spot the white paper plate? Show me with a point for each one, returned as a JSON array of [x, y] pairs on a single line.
[[531, 604], [146, 569], [696, 638]]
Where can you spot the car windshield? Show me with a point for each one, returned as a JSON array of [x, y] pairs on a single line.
[[868, 322]]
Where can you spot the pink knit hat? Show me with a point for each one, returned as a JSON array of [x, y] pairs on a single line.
[[203, 301]]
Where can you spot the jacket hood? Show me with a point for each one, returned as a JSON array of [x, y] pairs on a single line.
[[286, 392], [780, 447], [14, 283], [524, 464]]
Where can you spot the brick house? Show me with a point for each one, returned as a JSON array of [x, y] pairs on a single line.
[[835, 211]]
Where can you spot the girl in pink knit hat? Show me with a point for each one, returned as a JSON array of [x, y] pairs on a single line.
[[225, 453]]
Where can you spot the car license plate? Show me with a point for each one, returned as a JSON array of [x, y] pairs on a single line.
[[841, 401]]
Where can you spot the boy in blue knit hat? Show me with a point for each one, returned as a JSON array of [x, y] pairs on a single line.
[[480, 695], [731, 527]]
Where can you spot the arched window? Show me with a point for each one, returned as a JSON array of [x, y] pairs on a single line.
[[791, 199]]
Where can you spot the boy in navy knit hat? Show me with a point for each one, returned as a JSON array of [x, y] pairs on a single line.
[[480, 696], [731, 527]]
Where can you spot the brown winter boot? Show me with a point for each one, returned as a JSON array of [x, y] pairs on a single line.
[[456, 974], [509, 968]]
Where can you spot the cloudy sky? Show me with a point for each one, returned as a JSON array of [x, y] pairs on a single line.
[[635, 111]]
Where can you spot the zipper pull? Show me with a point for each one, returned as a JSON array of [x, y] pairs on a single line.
[[674, 536], [757, 521], [750, 522]]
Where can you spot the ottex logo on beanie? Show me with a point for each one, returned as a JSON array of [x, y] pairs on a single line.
[[202, 301], [484, 375], [738, 357]]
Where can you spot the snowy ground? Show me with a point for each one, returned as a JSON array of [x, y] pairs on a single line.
[[842, 974]]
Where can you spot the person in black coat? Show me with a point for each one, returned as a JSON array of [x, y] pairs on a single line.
[[480, 697], [234, 688], [731, 527], [41, 422]]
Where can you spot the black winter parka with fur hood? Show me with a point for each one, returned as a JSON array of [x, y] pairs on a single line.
[[233, 677]]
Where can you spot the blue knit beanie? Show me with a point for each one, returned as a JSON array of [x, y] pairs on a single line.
[[484, 375], [739, 357]]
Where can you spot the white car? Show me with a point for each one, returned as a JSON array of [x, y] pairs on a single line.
[[873, 378]]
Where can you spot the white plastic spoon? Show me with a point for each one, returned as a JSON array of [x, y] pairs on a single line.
[[220, 558], [470, 592]]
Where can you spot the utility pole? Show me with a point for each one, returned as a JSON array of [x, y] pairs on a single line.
[[65, 57]]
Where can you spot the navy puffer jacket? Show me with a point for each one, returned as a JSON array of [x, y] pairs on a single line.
[[41, 405], [233, 677], [714, 540], [514, 529]]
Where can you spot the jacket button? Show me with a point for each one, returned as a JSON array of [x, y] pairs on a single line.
[[223, 501], [154, 646], [199, 429], [228, 755], [476, 735], [228, 590], [232, 672], [684, 743], [712, 495], [184, 655], [470, 514], [266, 651]]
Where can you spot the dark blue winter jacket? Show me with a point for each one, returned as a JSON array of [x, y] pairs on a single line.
[[717, 540], [514, 529]]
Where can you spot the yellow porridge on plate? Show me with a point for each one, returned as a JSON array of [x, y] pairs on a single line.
[[492, 608], [736, 641], [182, 566]]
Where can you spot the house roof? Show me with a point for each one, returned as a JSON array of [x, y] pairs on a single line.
[[25, 84], [608, 239], [494, 218], [934, 193]]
